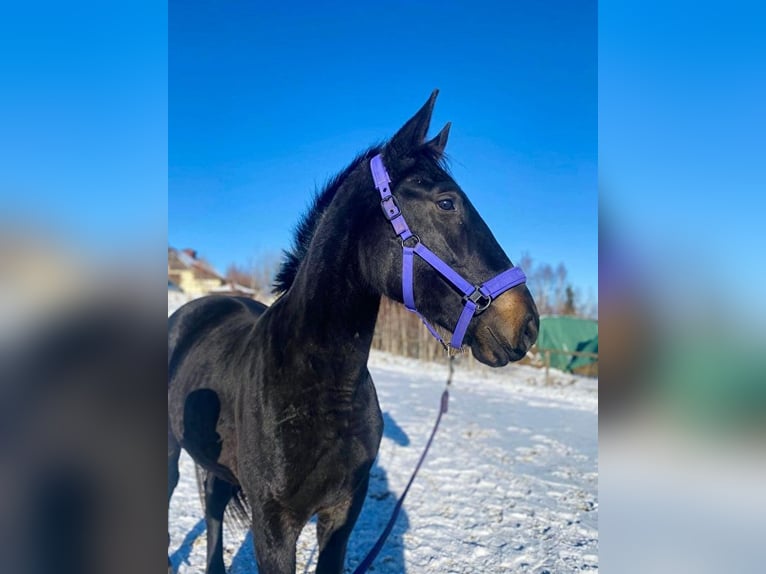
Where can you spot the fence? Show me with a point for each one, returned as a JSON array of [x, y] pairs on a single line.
[[591, 370]]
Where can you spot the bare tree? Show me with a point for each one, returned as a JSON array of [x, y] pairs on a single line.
[[257, 274], [553, 293], [239, 274], [569, 307]]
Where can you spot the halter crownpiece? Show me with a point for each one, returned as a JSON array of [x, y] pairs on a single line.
[[476, 298]]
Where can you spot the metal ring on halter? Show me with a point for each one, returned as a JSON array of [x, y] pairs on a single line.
[[413, 237], [479, 299]]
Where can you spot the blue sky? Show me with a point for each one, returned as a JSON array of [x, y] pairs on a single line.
[[682, 149], [266, 102], [83, 124], [261, 107]]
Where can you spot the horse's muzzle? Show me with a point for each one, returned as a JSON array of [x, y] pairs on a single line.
[[508, 329]]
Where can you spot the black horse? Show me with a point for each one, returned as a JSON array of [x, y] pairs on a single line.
[[276, 403]]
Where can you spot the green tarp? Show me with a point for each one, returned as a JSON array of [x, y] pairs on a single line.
[[568, 334]]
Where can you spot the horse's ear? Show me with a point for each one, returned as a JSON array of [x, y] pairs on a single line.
[[413, 133], [440, 141]]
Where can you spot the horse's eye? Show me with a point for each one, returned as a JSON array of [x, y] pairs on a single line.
[[446, 204]]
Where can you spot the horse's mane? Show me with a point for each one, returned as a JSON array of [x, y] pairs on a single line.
[[304, 230], [307, 225]]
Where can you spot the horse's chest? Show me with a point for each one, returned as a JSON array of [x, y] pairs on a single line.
[[330, 474], [311, 447], [329, 437], [322, 453]]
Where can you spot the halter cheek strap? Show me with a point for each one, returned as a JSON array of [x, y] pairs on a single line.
[[476, 298]]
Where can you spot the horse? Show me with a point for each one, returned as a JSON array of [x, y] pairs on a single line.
[[276, 403]]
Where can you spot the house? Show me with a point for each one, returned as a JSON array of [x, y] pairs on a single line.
[[193, 276]]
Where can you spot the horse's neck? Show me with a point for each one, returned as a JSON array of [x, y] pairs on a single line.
[[333, 313]]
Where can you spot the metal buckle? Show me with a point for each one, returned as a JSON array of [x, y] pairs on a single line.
[[479, 299], [390, 207], [415, 239]]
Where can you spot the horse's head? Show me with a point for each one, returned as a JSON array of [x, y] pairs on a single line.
[[438, 212]]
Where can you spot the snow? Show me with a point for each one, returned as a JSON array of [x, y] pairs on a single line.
[[510, 484]]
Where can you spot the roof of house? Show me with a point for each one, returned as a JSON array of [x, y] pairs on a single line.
[[186, 259]]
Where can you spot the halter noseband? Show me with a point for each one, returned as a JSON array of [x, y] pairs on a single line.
[[476, 298]]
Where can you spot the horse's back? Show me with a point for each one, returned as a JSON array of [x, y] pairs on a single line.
[[199, 316], [205, 337]]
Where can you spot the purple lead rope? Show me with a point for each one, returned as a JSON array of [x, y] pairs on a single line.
[[372, 554]]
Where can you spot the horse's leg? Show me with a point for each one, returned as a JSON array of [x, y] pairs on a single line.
[[334, 526], [218, 493], [174, 451], [274, 539]]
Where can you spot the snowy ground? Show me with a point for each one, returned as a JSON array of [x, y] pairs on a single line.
[[510, 484]]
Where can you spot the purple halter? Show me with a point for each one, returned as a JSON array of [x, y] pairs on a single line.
[[476, 298]]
